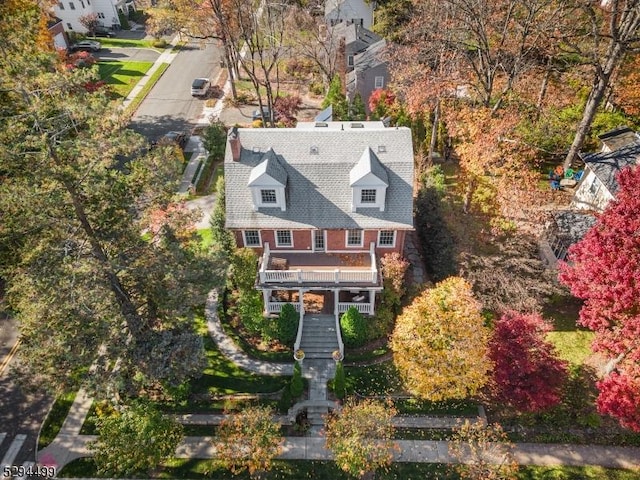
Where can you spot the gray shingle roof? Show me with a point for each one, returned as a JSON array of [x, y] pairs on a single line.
[[368, 163], [572, 226], [371, 57], [606, 165], [271, 166], [318, 185]]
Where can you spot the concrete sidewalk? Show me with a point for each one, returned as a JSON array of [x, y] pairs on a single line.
[[166, 56]]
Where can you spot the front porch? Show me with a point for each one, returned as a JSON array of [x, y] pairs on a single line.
[[335, 301]]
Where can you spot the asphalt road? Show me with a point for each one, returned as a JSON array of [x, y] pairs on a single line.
[[22, 411], [169, 105]]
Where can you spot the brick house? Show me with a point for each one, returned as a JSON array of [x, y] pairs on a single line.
[[320, 204]]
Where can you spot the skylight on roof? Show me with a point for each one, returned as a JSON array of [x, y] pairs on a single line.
[[382, 148], [357, 125], [314, 150], [322, 124]]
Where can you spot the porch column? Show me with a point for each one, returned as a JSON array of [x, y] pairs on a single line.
[[372, 301], [301, 302], [266, 298], [336, 300]]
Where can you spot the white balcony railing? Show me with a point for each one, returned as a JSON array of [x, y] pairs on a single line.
[[302, 275], [362, 307]]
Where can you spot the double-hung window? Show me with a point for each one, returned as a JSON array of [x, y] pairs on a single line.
[[387, 238], [252, 238], [378, 82], [354, 238], [284, 238]]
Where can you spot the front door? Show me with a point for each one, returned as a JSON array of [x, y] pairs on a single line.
[[319, 241]]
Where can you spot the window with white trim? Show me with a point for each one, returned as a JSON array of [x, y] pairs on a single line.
[[252, 238], [100, 15], [284, 238], [387, 238], [82, 3], [61, 6], [69, 26], [354, 238], [72, 6], [268, 196], [368, 195], [378, 82], [350, 60]]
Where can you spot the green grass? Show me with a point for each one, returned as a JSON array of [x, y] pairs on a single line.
[[325, 470], [223, 377], [122, 76], [55, 419], [383, 379], [127, 43], [572, 341], [153, 79]]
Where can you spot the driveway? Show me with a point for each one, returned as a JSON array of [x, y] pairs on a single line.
[[128, 54]]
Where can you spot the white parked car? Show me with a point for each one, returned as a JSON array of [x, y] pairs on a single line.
[[200, 87], [87, 45]]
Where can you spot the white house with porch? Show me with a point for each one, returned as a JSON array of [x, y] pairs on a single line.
[[320, 204]]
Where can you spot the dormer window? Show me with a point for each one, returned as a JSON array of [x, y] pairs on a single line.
[[267, 183], [368, 195], [268, 196], [369, 182]]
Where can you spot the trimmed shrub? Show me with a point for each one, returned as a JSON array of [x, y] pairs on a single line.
[[338, 382], [286, 400], [354, 328], [297, 385], [286, 327]]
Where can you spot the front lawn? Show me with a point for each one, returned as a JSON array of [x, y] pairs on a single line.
[[122, 76]]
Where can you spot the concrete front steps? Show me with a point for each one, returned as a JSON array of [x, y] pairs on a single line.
[[319, 337]]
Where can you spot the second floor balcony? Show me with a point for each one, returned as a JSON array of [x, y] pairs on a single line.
[[318, 269]]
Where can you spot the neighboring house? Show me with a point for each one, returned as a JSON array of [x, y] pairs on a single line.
[[56, 29], [320, 204], [70, 11], [356, 40], [370, 72], [349, 11], [597, 187]]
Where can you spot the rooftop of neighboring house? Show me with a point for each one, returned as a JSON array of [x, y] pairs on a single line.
[[353, 33], [572, 225], [319, 165], [621, 149], [371, 57]]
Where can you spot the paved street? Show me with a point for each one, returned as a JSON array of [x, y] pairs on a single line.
[[169, 105], [21, 413]]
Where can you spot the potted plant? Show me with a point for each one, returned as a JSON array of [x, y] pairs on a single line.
[[299, 354], [336, 355]]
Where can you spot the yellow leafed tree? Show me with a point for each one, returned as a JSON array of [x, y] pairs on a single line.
[[440, 343]]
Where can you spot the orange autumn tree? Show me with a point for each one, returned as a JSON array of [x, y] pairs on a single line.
[[440, 343]]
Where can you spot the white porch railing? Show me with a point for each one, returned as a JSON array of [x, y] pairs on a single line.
[[362, 307], [301, 276], [275, 307]]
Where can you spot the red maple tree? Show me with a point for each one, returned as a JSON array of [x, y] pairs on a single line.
[[527, 373], [604, 270]]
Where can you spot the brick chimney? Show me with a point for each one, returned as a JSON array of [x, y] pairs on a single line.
[[234, 143]]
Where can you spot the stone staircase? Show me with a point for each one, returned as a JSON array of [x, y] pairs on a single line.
[[319, 337]]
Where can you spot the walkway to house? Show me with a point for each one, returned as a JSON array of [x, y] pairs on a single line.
[[69, 444]]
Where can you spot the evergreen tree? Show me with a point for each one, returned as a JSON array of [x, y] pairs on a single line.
[[336, 98], [356, 108]]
